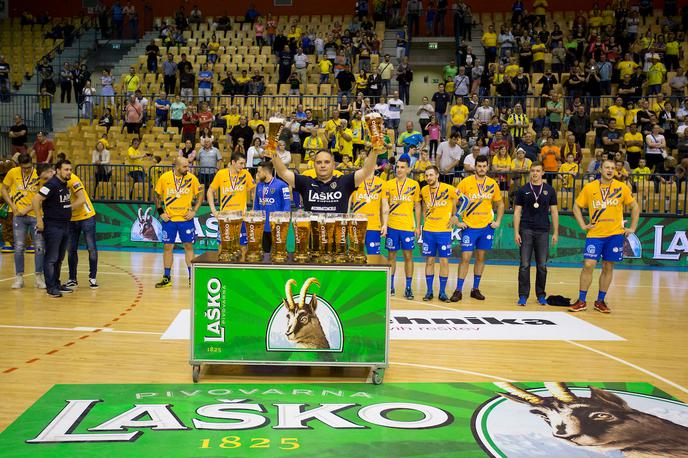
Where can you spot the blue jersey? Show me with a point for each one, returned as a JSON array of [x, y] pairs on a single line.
[[272, 197]]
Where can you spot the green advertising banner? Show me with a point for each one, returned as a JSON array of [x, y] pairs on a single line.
[[466, 420], [290, 314], [659, 241]]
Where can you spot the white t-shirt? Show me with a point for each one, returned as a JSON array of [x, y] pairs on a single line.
[[446, 154], [396, 106], [469, 162], [253, 156], [654, 139], [382, 108], [426, 111], [300, 60]]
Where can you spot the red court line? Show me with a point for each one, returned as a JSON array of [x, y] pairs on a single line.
[[32, 360], [7, 371], [52, 352]]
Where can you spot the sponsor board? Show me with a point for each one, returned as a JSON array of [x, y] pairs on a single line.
[[464, 325], [348, 419]]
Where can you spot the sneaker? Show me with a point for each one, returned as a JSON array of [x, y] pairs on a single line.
[[64, 289], [54, 292], [92, 283], [71, 284], [542, 300], [457, 296], [476, 294], [408, 294], [392, 292], [601, 307], [579, 306], [40, 281], [521, 301], [164, 283], [428, 297], [18, 282], [30, 249], [7, 249], [443, 297]]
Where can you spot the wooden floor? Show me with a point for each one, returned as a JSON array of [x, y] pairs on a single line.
[[47, 341]]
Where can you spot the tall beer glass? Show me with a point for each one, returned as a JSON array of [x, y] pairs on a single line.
[[225, 246], [302, 232], [340, 233], [358, 225], [279, 227], [255, 225]]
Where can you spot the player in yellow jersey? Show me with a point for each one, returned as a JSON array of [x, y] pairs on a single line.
[[83, 220], [478, 224], [367, 199], [439, 208], [605, 200], [401, 220], [236, 186], [18, 189], [175, 192]]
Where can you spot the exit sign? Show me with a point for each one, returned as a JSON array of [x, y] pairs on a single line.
[[432, 45]]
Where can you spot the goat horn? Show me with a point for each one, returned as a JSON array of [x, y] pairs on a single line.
[[304, 290], [288, 294], [560, 391], [520, 393], [140, 214]]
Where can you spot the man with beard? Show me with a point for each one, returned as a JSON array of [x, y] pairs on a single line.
[[272, 195]]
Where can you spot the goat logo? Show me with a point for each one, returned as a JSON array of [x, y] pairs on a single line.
[[578, 421], [304, 322], [146, 228]]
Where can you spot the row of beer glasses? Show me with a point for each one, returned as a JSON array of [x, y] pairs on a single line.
[[319, 238]]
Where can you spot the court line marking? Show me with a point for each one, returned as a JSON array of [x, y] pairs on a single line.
[[629, 364], [449, 369], [78, 329]]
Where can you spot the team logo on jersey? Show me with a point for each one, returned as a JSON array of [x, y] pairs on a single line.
[[333, 185], [590, 249]]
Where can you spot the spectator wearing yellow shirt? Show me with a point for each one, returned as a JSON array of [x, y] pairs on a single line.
[[658, 104], [232, 118], [540, 10], [511, 70], [489, 42], [633, 143], [346, 164], [358, 132], [656, 76], [539, 50], [131, 82], [618, 112], [314, 142], [135, 159], [255, 121], [620, 173], [627, 66], [458, 115], [631, 112], [421, 166], [568, 171], [502, 162], [520, 167], [344, 145], [640, 174], [671, 52]]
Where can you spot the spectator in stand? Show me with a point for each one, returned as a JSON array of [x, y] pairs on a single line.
[[404, 78], [188, 151], [678, 83], [152, 54], [131, 82], [106, 120], [612, 138], [394, 111], [177, 109], [209, 161], [549, 156], [579, 124], [285, 61], [189, 124], [18, 136], [655, 151], [162, 111], [386, 70], [530, 149], [518, 124], [135, 159], [656, 75], [571, 147], [169, 71], [489, 42], [449, 154], [441, 100], [242, 130], [205, 116], [555, 110], [458, 115], [43, 149]]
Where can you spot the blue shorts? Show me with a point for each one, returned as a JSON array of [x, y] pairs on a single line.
[[437, 244], [477, 238], [372, 242], [243, 236], [185, 229], [609, 248], [400, 240]]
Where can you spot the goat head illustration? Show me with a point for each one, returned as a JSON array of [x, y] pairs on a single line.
[[145, 226], [603, 420], [303, 325]]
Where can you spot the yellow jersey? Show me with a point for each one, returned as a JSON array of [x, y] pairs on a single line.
[[325, 66], [311, 173], [566, 168], [366, 200], [502, 162], [618, 113], [637, 137], [402, 198], [254, 123], [232, 120], [606, 215], [489, 39], [479, 212], [421, 166], [459, 114], [234, 189], [626, 67], [22, 190], [177, 193], [345, 147], [511, 70], [538, 51], [631, 115], [358, 132], [439, 205], [313, 143], [86, 211], [131, 152]]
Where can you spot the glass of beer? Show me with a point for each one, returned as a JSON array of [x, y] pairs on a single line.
[[376, 127], [340, 232], [236, 219], [225, 246], [327, 250], [302, 235], [275, 126], [315, 237], [358, 225], [279, 227], [255, 225]]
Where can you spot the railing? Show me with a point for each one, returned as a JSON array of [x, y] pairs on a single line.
[[655, 193], [25, 105]]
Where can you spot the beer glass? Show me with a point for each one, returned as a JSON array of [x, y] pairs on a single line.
[[327, 223], [225, 246], [275, 126], [315, 237], [302, 232], [255, 224], [376, 128], [340, 231], [358, 225], [236, 219], [279, 227]]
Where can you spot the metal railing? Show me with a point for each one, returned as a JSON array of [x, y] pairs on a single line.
[[28, 107]]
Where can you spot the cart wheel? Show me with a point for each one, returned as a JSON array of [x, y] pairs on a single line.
[[378, 376], [195, 373]]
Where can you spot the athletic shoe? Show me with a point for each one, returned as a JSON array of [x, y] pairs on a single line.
[[457, 296], [443, 297], [92, 283], [8, 249], [601, 307], [392, 292], [542, 300], [40, 281], [189, 281], [18, 282], [164, 283], [71, 284], [428, 297], [54, 292], [521, 301], [64, 289], [579, 306], [408, 294], [30, 249], [476, 294]]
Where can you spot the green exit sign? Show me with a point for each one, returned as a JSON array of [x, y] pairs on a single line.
[[432, 45]]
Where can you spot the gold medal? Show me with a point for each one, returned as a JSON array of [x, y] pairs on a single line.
[[178, 195], [536, 205]]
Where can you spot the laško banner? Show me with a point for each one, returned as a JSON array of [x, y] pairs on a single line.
[[467, 420], [658, 241]]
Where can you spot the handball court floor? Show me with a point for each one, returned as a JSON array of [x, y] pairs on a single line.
[[113, 334]]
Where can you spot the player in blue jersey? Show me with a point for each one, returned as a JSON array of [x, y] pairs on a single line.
[[272, 195]]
